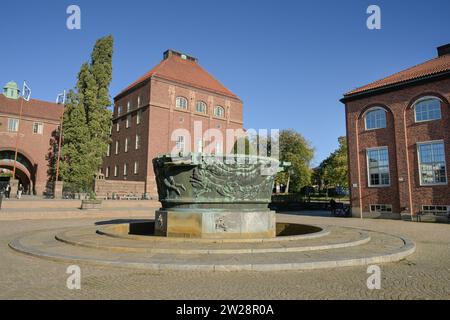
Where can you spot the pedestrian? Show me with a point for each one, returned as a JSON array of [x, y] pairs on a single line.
[[7, 190], [19, 191]]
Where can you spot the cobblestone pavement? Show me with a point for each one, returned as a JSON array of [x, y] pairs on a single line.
[[424, 275]]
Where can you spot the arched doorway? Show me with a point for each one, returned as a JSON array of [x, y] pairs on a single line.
[[24, 170]]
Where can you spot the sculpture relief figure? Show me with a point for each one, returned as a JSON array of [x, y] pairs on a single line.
[[172, 185]]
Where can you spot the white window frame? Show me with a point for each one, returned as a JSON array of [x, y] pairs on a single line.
[[372, 110], [137, 143], [204, 105], [136, 168], [119, 110], [125, 169], [107, 172], [369, 184], [386, 206], [128, 106], [128, 121], [138, 117], [39, 126], [139, 101], [420, 167], [180, 143], [216, 114], [126, 144], [425, 99], [117, 150], [179, 105], [117, 126], [15, 127], [108, 151], [199, 145], [116, 170], [429, 210]]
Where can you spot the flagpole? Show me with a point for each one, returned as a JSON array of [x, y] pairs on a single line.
[[17, 137]]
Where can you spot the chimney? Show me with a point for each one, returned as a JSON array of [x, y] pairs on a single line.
[[170, 52], [443, 50]]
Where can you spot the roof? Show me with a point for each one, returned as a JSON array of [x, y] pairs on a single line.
[[429, 68], [34, 108], [185, 71]]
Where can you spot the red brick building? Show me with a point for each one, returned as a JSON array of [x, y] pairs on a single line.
[[31, 130], [175, 94], [398, 132]]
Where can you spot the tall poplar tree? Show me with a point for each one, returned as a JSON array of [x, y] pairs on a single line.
[[87, 119]]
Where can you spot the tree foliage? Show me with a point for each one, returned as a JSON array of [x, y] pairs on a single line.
[[333, 171], [87, 119]]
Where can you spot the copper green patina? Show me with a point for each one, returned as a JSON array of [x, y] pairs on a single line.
[[215, 196]]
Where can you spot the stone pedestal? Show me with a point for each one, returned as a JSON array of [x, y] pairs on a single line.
[[211, 224], [14, 183], [58, 190]]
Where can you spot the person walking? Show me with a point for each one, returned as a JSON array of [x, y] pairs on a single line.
[[19, 191], [7, 190]]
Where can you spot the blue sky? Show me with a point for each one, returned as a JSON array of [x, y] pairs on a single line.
[[289, 61]]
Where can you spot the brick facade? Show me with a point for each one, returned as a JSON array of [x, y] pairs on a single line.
[[33, 148], [401, 136], [160, 118]]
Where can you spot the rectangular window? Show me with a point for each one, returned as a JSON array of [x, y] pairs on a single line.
[[378, 167], [199, 146], [119, 110], [38, 128], [126, 144], [432, 166], [128, 106], [138, 142], [139, 101], [128, 121], [116, 170], [107, 172], [136, 167], [138, 117], [219, 149], [125, 170], [108, 151], [381, 208], [435, 210], [180, 143], [117, 147], [13, 125], [117, 126]]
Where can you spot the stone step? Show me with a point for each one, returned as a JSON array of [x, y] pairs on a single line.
[[381, 248]]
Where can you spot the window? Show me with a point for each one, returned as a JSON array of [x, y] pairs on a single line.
[[38, 128], [381, 208], [200, 145], [435, 210], [182, 103], [125, 170], [126, 144], [138, 117], [107, 172], [219, 149], [200, 107], [128, 121], [117, 147], [13, 125], [219, 112], [375, 119], [378, 167], [119, 110], [138, 142], [136, 167], [432, 165], [117, 126], [128, 106], [427, 109], [139, 101], [116, 170], [108, 151], [180, 143]]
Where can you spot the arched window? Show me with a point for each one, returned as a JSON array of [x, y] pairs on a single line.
[[219, 112], [427, 109], [375, 118], [182, 103], [200, 107]]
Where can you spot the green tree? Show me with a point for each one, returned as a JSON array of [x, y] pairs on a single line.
[[333, 171], [294, 148], [87, 119]]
